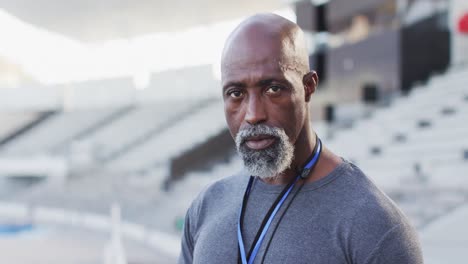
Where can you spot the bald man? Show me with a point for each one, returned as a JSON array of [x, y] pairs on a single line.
[[295, 201]]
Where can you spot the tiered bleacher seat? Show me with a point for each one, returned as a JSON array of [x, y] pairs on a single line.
[[192, 129], [140, 122], [416, 149], [56, 131], [15, 120], [425, 129]]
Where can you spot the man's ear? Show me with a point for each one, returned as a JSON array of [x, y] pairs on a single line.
[[310, 81]]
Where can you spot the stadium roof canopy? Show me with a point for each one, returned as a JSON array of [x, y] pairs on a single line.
[[98, 20]]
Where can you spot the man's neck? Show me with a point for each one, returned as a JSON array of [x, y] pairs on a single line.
[[304, 147], [327, 162]]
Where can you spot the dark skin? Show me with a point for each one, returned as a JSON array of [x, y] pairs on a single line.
[[266, 80]]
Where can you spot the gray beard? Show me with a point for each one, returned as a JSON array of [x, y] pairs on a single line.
[[271, 161]]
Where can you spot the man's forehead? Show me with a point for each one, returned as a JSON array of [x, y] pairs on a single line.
[[243, 62], [239, 68], [266, 56], [250, 69], [257, 54], [248, 52]]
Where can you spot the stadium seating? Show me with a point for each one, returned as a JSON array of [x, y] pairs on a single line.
[[14, 121], [415, 149], [445, 241], [157, 150], [142, 121], [56, 131]]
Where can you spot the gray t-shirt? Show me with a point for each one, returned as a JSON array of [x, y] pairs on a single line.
[[341, 218]]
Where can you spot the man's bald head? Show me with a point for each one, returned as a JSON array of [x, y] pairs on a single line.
[[266, 38]]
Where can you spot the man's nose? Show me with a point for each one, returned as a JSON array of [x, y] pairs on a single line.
[[255, 111]]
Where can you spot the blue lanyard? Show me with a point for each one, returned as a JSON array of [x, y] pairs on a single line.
[[307, 168]]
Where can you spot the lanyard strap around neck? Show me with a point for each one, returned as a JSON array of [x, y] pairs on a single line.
[[250, 257], [263, 230]]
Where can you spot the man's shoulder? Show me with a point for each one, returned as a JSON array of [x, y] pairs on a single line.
[[368, 205], [369, 219], [368, 198]]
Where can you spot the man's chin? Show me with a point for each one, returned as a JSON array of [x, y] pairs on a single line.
[[266, 173]]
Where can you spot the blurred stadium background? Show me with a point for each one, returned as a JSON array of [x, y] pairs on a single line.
[[111, 118]]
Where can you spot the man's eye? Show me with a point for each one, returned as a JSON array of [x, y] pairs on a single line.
[[274, 89], [235, 94]]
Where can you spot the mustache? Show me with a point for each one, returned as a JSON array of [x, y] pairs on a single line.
[[256, 130]]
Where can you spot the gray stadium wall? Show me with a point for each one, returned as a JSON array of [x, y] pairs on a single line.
[[306, 15], [373, 60], [425, 49], [340, 12], [393, 60]]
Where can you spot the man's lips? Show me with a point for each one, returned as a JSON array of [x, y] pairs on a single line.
[[259, 142]]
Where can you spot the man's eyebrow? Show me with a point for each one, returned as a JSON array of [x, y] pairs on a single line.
[[268, 81], [265, 82], [236, 84], [261, 83]]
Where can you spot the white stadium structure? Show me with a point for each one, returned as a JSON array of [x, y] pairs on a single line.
[[100, 168]]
